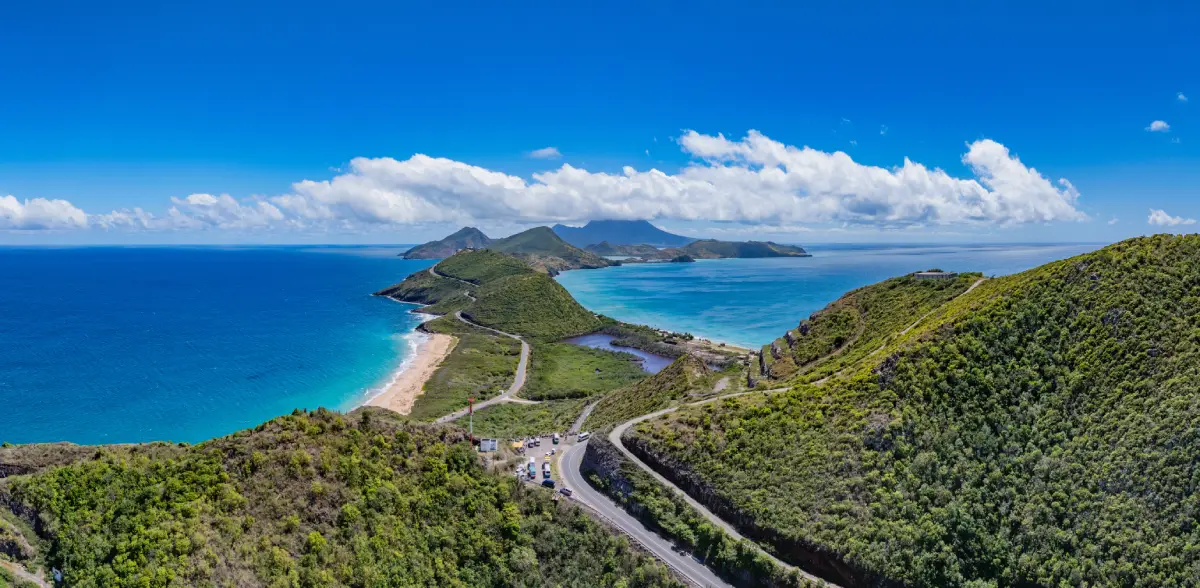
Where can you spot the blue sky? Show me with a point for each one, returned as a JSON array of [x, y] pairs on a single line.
[[114, 108]]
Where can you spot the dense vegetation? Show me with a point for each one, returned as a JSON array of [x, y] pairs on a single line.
[[531, 304], [563, 370], [316, 499], [480, 365], [464, 238], [685, 375], [857, 325], [670, 516], [1042, 430]]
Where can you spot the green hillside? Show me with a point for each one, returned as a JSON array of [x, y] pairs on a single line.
[[423, 288], [546, 251], [684, 375], [464, 238], [714, 249], [481, 266], [606, 248], [1043, 429], [531, 304], [857, 325], [312, 499]]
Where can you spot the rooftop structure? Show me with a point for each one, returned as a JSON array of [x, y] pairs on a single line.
[[935, 275]]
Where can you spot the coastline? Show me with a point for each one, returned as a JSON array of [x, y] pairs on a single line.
[[408, 381]]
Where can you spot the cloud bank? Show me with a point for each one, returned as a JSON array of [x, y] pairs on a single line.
[[752, 180], [1160, 218], [39, 214]]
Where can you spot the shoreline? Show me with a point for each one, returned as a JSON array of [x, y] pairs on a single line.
[[400, 393]]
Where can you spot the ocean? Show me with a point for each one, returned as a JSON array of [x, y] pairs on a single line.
[[114, 345], [111, 345], [750, 302]]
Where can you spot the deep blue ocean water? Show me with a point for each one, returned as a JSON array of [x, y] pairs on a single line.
[[107, 345], [750, 302], [104, 345]]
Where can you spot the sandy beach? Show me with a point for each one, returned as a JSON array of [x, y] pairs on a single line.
[[402, 393]]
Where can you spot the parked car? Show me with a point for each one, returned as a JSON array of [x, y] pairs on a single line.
[[584, 436], [565, 491], [548, 483]]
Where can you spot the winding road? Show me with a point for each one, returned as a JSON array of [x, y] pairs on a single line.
[[573, 458], [682, 564], [507, 395], [518, 378]]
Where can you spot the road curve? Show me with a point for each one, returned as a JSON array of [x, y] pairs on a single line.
[[582, 492], [615, 437], [507, 395]]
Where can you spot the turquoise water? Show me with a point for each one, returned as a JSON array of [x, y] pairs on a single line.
[[750, 302], [104, 345]]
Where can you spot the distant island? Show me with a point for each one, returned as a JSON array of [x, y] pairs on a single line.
[[548, 250], [620, 232], [539, 247]]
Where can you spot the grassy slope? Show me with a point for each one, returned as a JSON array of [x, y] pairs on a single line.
[[562, 370], [316, 499], [480, 364], [423, 288], [481, 266], [1040, 430], [859, 323], [684, 375], [531, 304], [522, 420]]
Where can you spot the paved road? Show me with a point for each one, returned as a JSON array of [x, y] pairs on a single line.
[[619, 430], [518, 379], [582, 492], [587, 411]]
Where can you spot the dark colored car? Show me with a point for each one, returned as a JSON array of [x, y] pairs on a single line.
[[565, 491], [548, 483]]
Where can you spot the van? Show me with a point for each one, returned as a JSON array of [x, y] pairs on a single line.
[[584, 436]]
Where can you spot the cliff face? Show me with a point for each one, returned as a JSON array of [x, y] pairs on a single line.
[[464, 238]]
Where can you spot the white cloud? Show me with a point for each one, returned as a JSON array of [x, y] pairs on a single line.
[[1180, 97], [1113, 221], [754, 180], [545, 153], [853, 142], [1158, 126], [1175, 140], [39, 214], [1162, 219], [883, 129]]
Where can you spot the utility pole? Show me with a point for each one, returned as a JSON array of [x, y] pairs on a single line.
[[471, 418]]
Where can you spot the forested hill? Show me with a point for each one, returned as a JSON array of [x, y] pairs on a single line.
[[497, 291], [1042, 429], [310, 499], [464, 238]]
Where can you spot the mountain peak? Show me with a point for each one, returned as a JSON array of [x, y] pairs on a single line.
[[620, 232]]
